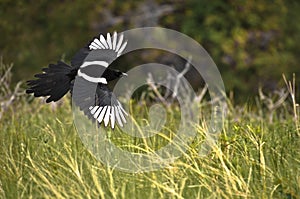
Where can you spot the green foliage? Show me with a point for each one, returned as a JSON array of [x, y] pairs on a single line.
[[257, 155], [252, 42], [36, 34]]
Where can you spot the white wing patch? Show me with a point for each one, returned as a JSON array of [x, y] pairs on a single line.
[[92, 79], [114, 114], [114, 43]]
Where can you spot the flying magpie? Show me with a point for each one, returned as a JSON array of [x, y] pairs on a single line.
[[89, 69]]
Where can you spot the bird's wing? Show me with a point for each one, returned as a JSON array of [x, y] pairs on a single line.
[[114, 43], [101, 49], [78, 59], [98, 103]]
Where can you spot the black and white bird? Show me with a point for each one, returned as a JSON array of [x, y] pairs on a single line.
[[90, 72]]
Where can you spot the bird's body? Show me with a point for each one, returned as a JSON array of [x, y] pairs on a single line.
[[88, 70]]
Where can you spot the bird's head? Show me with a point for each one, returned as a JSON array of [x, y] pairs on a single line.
[[111, 74], [121, 74]]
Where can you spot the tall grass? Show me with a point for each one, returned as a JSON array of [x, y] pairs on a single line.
[[41, 156], [257, 154]]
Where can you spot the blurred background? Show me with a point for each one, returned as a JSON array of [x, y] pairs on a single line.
[[252, 42]]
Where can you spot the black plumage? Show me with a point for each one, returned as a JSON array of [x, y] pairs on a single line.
[[89, 74]]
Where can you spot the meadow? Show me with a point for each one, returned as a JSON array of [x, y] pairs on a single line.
[[256, 156]]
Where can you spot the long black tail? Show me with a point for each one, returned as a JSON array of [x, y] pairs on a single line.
[[54, 82]]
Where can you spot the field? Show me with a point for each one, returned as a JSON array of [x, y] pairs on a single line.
[[43, 147], [257, 156]]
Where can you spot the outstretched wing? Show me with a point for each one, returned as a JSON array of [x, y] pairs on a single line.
[[98, 103], [100, 49], [89, 92], [114, 43], [78, 59]]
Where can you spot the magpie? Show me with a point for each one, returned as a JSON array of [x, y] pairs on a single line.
[[89, 71]]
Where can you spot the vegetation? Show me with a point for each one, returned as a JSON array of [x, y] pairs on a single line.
[[252, 42], [256, 156]]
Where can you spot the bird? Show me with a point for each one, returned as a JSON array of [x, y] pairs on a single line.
[[86, 78]]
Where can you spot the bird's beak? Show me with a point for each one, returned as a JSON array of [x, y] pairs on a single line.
[[124, 74]]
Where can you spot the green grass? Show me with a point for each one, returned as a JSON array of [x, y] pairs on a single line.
[[42, 156]]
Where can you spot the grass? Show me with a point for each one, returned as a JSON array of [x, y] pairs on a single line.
[[42, 156]]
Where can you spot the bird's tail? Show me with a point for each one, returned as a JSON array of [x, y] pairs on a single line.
[[55, 82]]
